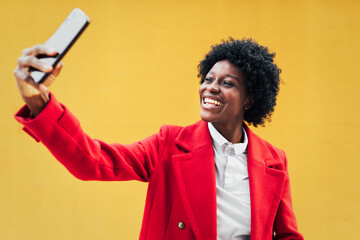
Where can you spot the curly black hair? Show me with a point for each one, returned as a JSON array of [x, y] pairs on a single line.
[[259, 70]]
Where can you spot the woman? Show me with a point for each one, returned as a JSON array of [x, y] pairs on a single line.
[[214, 179]]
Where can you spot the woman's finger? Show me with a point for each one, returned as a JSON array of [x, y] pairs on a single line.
[[51, 78], [26, 84], [39, 49], [31, 61], [57, 69], [20, 74]]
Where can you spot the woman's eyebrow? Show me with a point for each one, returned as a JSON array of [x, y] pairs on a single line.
[[228, 75], [232, 77]]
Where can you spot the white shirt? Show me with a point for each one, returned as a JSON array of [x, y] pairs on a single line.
[[232, 187]]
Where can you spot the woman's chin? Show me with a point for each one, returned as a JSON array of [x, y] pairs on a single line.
[[206, 116]]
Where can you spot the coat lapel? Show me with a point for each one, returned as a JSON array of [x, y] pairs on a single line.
[[266, 179], [195, 175]]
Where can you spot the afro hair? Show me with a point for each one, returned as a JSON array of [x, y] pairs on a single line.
[[260, 72]]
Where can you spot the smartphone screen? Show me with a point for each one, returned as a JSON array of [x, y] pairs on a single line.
[[62, 40]]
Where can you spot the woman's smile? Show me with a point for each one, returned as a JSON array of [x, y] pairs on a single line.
[[211, 101]]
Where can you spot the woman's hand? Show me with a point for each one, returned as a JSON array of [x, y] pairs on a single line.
[[36, 96]]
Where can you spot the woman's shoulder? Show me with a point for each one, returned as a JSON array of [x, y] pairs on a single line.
[[189, 137]]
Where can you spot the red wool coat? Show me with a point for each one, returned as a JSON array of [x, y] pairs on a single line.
[[178, 163]]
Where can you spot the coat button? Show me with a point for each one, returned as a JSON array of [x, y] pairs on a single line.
[[181, 225]]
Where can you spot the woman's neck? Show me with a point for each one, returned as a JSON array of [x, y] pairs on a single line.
[[233, 134]]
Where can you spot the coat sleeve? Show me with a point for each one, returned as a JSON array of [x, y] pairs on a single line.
[[88, 159], [285, 227]]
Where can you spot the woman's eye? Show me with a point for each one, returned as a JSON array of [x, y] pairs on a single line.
[[227, 83], [208, 79]]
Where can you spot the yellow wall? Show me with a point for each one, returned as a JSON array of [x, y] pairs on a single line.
[[134, 69]]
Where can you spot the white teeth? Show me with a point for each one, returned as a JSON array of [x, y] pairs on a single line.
[[213, 101]]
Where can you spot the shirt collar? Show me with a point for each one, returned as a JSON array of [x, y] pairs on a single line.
[[222, 143]]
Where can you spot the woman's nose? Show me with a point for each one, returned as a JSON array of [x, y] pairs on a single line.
[[213, 87]]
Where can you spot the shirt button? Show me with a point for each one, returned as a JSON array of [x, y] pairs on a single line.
[[181, 225], [229, 150]]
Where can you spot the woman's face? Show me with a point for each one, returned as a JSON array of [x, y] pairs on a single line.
[[223, 95]]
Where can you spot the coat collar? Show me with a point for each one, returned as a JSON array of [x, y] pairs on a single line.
[[195, 173], [194, 136]]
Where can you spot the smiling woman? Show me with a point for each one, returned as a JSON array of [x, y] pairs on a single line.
[[211, 180]]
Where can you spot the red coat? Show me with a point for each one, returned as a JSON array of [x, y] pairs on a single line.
[[178, 163]]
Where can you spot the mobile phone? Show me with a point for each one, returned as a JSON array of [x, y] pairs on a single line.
[[62, 40]]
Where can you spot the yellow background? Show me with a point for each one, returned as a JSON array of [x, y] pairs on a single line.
[[135, 68]]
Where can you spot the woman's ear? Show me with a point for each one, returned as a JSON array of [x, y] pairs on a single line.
[[249, 104]]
